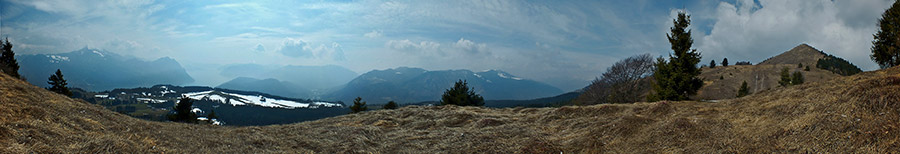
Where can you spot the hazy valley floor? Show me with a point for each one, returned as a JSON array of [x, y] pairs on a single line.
[[855, 114]]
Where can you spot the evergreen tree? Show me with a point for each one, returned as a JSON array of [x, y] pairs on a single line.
[[212, 115], [183, 111], [724, 62], [807, 68], [8, 62], [461, 95], [797, 78], [676, 79], [886, 46], [390, 105], [58, 84], [712, 64], [785, 77], [743, 63], [358, 106], [799, 65], [744, 90], [837, 65]]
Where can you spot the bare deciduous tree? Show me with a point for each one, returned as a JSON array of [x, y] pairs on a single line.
[[624, 82]]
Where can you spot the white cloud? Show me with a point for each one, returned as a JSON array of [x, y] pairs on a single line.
[[333, 52], [301, 49], [750, 31], [296, 48], [407, 45], [373, 34], [462, 48], [471, 47]]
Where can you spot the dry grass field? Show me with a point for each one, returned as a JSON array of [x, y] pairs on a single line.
[[854, 114]]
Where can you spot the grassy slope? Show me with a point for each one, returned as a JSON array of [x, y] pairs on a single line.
[[848, 114], [758, 77]]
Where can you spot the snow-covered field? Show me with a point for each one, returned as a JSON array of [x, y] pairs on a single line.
[[239, 99]]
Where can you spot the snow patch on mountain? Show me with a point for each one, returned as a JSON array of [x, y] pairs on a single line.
[[98, 53], [57, 59], [150, 100], [508, 77], [239, 99]]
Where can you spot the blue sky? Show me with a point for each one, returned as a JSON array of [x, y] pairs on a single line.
[[564, 43]]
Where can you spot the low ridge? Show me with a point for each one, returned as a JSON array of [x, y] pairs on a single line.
[[854, 114]]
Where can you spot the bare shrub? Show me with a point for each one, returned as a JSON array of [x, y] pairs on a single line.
[[624, 82]]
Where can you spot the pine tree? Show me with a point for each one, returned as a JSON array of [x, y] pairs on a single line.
[[807, 68], [744, 90], [886, 46], [212, 115], [797, 78], [390, 105], [8, 62], [785, 77], [183, 111], [58, 84], [358, 106], [461, 95], [724, 62], [676, 79], [712, 64]]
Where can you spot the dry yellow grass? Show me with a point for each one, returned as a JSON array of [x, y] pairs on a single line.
[[758, 77], [855, 114]]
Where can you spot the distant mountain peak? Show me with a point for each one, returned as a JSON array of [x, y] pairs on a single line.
[[802, 53]]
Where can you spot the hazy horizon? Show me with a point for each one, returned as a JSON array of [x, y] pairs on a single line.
[[563, 43]]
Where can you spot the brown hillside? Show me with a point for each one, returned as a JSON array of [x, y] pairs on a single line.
[[763, 76], [855, 114], [802, 53], [758, 77]]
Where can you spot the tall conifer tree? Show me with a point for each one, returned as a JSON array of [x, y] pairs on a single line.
[[8, 62], [886, 46], [676, 79]]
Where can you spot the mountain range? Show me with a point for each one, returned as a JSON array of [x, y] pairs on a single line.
[[95, 69], [312, 78], [408, 85]]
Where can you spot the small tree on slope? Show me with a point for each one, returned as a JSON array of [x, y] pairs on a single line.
[[744, 90], [724, 62], [785, 77], [390, 105], [8, 62], [212, 115], [58, 84], [886, 46], [358, 106], [461, 95], [796, 78], [183, 111]]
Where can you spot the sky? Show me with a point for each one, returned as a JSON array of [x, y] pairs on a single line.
[[565, 43]]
